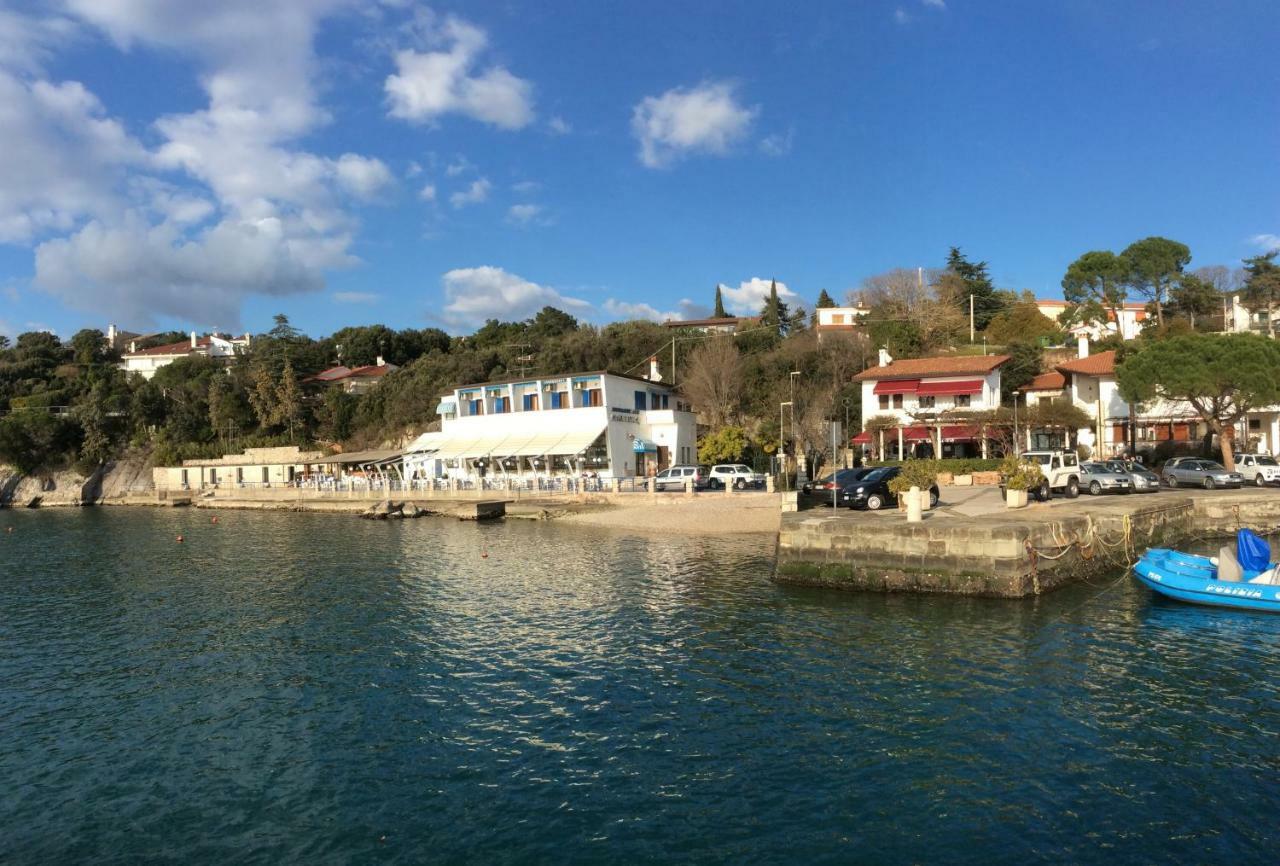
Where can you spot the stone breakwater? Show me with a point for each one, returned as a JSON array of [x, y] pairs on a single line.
[[1009, 555]]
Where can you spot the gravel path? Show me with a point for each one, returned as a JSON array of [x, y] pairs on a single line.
[[705, 514]]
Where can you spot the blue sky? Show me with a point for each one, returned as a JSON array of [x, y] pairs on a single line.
[[191, 165]]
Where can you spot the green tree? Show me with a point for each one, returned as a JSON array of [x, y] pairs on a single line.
[[1195, 299], [4, 342], [1095, 284], [283, 331], [798, 321], [335, 414], [1024, 364], [34, 440], [1021, 321], [550, 322], [726, 445], [1222, 377], [824, 301], [719, 311], [289, 400], [774, 315], [1153, 266], [264, 396], [1261, 293], [89, 346], [977, 283]]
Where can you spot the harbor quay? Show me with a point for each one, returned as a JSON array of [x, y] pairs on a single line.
[[1011, 553]]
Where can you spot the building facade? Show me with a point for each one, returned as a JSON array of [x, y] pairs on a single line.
[[1132, 317], [145, 362], [917, 407], [599, 423], [256, 467], [354, 380], [723, 325], [829, 320]]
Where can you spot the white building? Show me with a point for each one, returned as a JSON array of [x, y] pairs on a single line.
[[608, 424], [1132, 315], [839, 319], [910, 402], [722, 325], [145, 362], [354, 380]]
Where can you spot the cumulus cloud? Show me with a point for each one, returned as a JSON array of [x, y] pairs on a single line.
[[627, 311], [777, 144], [936, 4], [363, 177], [428, 192], [900, 15], [473, 295], [355, 297], [749, 297], [524, 214], [477, 192], [1266, 241], [559, 126], [445, 80], [704, 119]]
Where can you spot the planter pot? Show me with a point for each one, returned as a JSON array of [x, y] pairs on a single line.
[[962, 481], [945, 478], [1015, 498]]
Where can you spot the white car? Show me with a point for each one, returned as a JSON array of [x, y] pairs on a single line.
[[1261, 469], [736, 475]]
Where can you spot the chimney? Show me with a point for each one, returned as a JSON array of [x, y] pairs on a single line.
[[381, 363], [193, 339], [654, 374], [111, 336], [1082, 346], [133, 346], [885, 358]]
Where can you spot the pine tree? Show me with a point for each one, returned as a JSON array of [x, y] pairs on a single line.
[[720, 313], [263, 397], [797, 321], [977, 282], [774, 315], [824, 301], [288, 399]]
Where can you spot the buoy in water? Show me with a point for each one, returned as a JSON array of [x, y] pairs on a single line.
[[179, 539], [213, 519], [484, 556]]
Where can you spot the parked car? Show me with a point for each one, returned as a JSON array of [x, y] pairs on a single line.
[[1204, 473], [737, 475], [1144, 480], [1176, 461], [1098, 478], [819, 492], [1061, 471], [674, 478], [872, 492], [1261, 469]]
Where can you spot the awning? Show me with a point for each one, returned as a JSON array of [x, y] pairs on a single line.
[[641, 446], [362, 458], [970, 386], [523, 444], [896, 386], [863, 438]]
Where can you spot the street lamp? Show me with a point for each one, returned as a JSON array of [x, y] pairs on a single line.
[[793, 375], [848, 443], [782, 444]]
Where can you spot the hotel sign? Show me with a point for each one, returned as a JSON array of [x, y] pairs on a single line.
[[624, 416]]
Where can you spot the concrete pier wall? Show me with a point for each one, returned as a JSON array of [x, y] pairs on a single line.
[[1025, 552]]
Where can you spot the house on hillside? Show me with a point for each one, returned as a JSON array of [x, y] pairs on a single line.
[[1132, 317], [540, 427], [836, 320], [353, 380], [724, 325], [145, 362], [917, 407]]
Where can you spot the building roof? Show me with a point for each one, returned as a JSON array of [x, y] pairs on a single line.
[[181, 348], [950, 365], [546, 377], [1054, 381], [706, 323], [331, 375], [372, 371], [1101, 364]]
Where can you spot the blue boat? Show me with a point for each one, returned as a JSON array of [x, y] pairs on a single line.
[[1248, 581]]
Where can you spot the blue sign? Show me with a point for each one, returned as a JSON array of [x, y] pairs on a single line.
[[640, 446]]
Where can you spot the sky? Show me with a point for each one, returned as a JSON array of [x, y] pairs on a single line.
[[192, 165]]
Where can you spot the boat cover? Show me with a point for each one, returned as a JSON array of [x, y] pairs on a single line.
[[1253, 551]]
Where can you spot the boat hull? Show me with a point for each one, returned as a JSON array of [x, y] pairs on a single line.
[[1190, 578]]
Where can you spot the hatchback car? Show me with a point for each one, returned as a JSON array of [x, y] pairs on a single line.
[[872, 492], [1202, 473], [1261, 469], [1097, 478], [675, 477], [819, 492], [1144, 480]]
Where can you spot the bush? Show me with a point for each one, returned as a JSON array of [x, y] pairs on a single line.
[[1017, 475], [915, 473], [954, 465]]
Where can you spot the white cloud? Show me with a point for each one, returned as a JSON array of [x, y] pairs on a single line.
[[355, 297], [139, 272], [362, 176], [473, 295], [27, 42], [627, 311], [777, 144], [749, 297], [523, 214], [413, 170], [428, 192], [432, 83], [682, 121], [1266, 241], [526, 187], [474, 194], [559, 126], [936, 4], [461, 165]]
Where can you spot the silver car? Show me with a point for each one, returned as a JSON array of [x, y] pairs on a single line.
[[1201, 473], [1142, 478], [1097, 478]]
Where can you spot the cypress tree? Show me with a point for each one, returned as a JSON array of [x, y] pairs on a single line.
[[824, 301], [720, 313]]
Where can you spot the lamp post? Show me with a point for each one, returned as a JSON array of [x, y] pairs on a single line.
[[848, 442], [782, 445], [793, 375]]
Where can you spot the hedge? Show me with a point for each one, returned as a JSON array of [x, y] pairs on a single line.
[[954, 465]]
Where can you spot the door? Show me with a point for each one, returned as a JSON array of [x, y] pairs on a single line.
[[664, 456]]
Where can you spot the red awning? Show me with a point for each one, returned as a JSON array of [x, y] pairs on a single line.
[[863, 438], [896, 386], [959, 433], [968, 386], [917, 434]]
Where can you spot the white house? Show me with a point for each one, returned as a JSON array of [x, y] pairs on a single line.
[[720, 325], [145, 362], [916, 395], [608, 424], [1132, 315], [838, 319], [354, 380]]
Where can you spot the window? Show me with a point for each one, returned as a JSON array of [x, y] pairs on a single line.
[[640, 401], [884, 402], [962, 400], [266, 474], [239, 475], [530, 402], [897, 401], [501, 405], [926, 402], [655, 401], [665, 401], [474, 407]]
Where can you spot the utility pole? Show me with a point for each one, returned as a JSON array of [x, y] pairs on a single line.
[[673, 360], [971, 318], [524, 359]]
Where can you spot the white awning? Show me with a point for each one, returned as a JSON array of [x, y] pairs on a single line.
[[516, 445]]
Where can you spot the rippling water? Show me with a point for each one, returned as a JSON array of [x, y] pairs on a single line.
[[320, 689]]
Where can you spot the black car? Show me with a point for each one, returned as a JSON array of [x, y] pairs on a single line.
[[819, 492], [871, 491]]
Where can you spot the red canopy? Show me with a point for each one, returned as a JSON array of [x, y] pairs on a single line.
[[968, 386], [863, 438], [896, 386]]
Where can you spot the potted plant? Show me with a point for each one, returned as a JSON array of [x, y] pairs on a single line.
[[1016, 478], [964, 474], [915, 473]]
